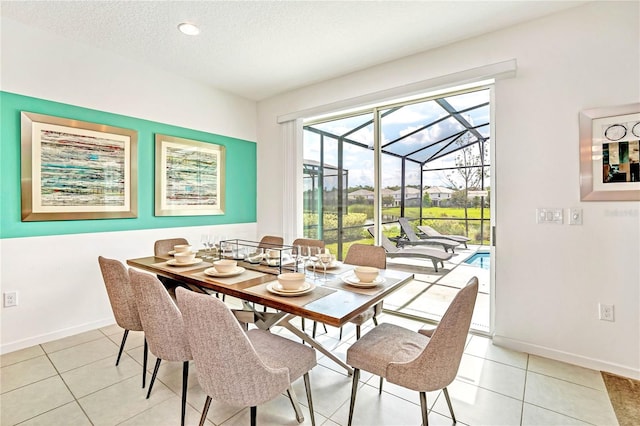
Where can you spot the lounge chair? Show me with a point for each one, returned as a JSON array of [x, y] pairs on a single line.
[[429, 232], [417, 252], [414, 240]]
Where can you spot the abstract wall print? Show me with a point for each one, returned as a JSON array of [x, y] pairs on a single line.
[[610, 154], [189, 177], [75, 170]]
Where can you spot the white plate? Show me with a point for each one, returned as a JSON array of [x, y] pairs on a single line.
[[173, 262], [214, 273], [354, 281], [172, 252], [274, 287], [278, 286]]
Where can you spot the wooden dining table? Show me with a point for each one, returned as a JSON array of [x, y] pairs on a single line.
[[333, 302]]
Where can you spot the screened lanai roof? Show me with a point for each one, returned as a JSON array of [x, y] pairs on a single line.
[[421, 131]]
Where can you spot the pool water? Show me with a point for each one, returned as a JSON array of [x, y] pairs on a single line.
[[480, 260]]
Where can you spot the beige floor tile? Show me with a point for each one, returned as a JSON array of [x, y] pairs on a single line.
[[573, 400], [111, 329], [69, 414], [218, 413], [83, 354], [275, 412], [372, 409], [571, 373], [134, 339], [21, 355], [474, 405], [538, 416], [122, 401], [404, 296], [483, 347], [32, 400], [402, 392], [71, 341], [329, 390], [166, 414], [433, 303], [26, 372], [101, 374], [491, 375]]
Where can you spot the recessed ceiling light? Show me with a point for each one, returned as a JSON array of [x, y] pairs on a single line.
[[188, 28]]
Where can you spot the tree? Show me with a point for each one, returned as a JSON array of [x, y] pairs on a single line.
[[426, 199]]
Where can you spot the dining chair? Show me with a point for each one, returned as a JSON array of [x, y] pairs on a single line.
[[270, 241], [123, 304], [366, 255], [161, 248], [163, 326], [309, 242], [237, 367], [422, 361]]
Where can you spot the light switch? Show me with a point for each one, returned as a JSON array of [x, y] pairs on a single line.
[[548, 215]]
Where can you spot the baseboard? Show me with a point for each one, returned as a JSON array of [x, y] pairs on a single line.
[[570, 358], [58, 334]]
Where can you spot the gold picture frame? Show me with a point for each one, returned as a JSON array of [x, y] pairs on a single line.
[[610, 153], [76, 170], [189, 177]]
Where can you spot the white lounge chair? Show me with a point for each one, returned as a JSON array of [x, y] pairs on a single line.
[[414, 240], [429, 232]]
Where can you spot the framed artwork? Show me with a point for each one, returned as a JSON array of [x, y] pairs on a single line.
[[610, 153], [75, 170], [189, 177]]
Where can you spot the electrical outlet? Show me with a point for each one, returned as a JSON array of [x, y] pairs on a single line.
[[10, 299], [575, 216], [606, 312]]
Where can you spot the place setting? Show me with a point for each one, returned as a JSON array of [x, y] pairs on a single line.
[[290, 284], [363, 277], [224, 268], [183, 255]]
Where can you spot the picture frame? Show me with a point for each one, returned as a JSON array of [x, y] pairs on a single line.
[[189, 177], [76, 170], [610, 153]]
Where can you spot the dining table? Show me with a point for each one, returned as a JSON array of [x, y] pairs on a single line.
[[333, 299]]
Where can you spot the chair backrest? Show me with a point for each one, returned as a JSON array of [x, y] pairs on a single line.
[[163, 247], [270, 241], [429, 231], [366, 255], [309, 242], [121, 294], [437, 365], [229, 369], [385, 242], [161, 318], [408, 229]]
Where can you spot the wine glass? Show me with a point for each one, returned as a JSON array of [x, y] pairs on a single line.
[[314, 252], [296, 253], [325, 259], [305, 254], [204, 239]]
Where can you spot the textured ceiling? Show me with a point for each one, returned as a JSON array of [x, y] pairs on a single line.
[[257, 49]]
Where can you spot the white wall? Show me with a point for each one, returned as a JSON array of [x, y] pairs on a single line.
[[549, 279], [57, 278]]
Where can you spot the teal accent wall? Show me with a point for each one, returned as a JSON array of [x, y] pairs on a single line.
[[240, 178]]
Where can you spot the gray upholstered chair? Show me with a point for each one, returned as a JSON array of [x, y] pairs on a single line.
[[366, 255], [123, 303], [237, 367], [270, 241], [161, 248], [163, 327], [422, 362]]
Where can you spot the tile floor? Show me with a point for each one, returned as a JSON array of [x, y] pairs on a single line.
[[73, 381]]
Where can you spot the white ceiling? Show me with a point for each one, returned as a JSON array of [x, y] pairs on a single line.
[[257, 49]]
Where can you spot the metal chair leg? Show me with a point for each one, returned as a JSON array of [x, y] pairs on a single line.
[[423, 406], [144, 362], [153, 377], [295, 404], [205, 410], [124, 339], [446, 395], [357, 332], [185, 379], [354, 389], [254, 415], [380, 389], [307, 387]]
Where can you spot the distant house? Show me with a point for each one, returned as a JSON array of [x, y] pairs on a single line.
[[364, 193], [439, 194], [409, 195]]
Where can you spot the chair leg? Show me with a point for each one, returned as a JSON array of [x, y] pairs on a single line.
[[295, 404], [144, 362], [446, 395], [254, 415], [153, 377], [185, 379], [423, 406], [340, 334], [354, 389], [205, 410], [307, 387], [124, 339], [315, 327], [375, 321], [381, 382], [357, 332]]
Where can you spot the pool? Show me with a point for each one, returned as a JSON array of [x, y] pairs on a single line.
[[480, 260]]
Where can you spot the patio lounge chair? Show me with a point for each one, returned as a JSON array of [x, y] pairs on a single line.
[[417, 252], [429, 232], [413, 239]]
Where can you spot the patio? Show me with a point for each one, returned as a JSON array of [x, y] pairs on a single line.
[[430, 293]]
